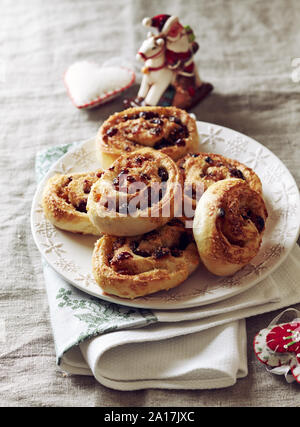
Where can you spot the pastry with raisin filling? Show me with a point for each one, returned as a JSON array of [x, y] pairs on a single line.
[[137, 194], [200, 170], [169, 130], [228, 226], [130, 267], [64, 201]]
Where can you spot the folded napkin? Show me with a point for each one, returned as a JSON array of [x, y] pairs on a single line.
[[129, 349], [169, 356]]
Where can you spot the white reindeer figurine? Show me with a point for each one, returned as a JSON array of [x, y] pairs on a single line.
[[157, 77]]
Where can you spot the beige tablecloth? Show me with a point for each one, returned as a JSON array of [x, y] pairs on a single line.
[[246, 50]]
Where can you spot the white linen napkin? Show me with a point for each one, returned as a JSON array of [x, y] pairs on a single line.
[[196, 348], [169, 356]]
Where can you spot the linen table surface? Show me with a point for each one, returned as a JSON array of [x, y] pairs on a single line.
[[248, 51]]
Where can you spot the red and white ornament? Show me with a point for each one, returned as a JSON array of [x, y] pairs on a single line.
[[179, 44], [278, 347], [170, 76]]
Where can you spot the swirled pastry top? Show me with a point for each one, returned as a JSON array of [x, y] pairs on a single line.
[[136, 194], [140, 265], [167, 129], [204, 169], [228, 225], [65, 198]]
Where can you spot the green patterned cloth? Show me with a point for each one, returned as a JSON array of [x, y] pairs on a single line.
[[76, 316]]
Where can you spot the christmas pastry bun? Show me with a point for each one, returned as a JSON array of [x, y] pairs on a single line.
[[131, 267], [228, 226], [200, 170], [169, 130], [64, 201], [137, 194]]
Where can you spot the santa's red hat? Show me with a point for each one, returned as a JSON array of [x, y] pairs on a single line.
[[162, 22]]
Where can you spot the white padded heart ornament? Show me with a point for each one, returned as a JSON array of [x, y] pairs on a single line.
[[90, 85]]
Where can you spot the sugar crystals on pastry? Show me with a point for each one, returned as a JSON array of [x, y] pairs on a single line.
[[200, 170], [131, 267], [169, 130], [228, 226], [137, 194], [64, 201]]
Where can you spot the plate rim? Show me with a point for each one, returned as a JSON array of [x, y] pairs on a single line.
[[180, 305]]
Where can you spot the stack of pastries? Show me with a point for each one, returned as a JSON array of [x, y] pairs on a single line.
[[152, 182]]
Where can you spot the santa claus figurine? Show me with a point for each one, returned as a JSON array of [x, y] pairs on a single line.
[[180, 47]]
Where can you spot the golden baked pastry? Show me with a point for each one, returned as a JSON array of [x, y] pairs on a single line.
[[228, 226], [200, 170], [169, 130], [130, 267], [64, 201], [137, 194]]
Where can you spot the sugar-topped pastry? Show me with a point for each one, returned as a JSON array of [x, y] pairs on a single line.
[[169, 130], [65, 198], [137, 194], [228, 226], [200, 170], [130, 267]]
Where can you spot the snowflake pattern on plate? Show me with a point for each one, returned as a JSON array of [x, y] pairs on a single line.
[[211, 137], [66, 265], [235, 147], [45, 228], [254, 158], [85, 279]]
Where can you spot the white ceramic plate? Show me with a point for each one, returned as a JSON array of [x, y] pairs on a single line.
[[70, 254]]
